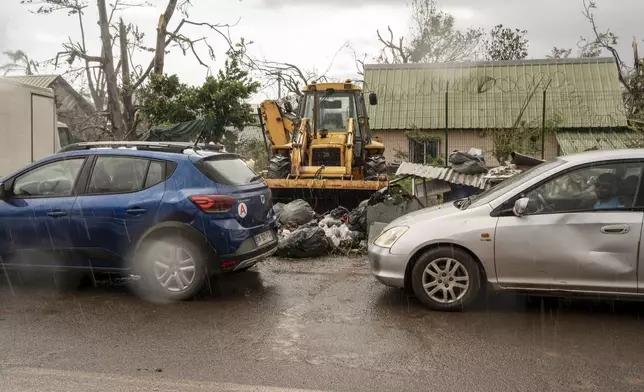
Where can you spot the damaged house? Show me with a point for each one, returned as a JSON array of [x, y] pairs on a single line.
[[427, 110]]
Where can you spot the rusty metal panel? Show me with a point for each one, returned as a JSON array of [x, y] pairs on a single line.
[[483, 95], [443, 173]]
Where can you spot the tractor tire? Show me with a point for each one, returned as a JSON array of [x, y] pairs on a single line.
[[375, 166], [279, 167]]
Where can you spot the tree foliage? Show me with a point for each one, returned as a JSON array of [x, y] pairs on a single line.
[[506, 44], [559, 53], [588, 48], [19, 62], [432, 38], [165, 100], [221, 99]]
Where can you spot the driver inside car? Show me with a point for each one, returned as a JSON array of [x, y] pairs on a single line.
[[606, 191]]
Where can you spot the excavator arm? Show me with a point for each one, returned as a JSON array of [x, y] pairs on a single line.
[[279, 127]]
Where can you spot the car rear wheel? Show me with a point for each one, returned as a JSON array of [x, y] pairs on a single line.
[[173, 268], [446, 279]]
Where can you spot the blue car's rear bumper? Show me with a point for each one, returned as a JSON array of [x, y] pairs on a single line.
[[235, 245]]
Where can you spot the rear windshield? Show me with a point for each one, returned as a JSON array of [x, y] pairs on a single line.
[[230, 171]]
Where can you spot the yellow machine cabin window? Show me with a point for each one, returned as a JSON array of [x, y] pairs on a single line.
[[334, 110]]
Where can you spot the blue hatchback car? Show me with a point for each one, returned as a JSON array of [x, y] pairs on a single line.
[[173, 213]]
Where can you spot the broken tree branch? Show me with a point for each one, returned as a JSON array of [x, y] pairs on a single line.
[[164, 19]]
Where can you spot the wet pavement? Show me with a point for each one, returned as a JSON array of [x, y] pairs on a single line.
[[321, 324]]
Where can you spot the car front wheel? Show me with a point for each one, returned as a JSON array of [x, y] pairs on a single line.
[[446, 279]]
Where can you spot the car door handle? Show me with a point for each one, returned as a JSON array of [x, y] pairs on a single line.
[[136, 211], [616, 229], [56, 214]]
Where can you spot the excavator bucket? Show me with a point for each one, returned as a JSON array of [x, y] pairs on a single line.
[[325, 194]]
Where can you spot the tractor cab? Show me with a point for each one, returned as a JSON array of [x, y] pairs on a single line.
[[327, 154], [337, 118], [329, 106]]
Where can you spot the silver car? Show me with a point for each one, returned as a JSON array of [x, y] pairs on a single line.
[[571, 225]]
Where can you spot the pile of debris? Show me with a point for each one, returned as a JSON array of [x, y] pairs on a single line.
[[471, 162], [304, 234]]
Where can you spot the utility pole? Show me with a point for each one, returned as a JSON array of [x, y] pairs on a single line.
[[279, 85]]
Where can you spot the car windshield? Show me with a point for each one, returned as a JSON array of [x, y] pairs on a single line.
[[507, 185], [334, 109]]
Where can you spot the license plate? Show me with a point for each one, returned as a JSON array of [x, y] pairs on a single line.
[[264, 238]]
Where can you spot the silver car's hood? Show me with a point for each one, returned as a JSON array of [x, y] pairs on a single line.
[[425, 214]]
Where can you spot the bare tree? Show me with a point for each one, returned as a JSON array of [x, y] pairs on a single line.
[[112, 76], [359, 60], [631, 77], [284, 75], [433, 38]]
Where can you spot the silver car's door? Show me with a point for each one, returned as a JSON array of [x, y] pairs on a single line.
[[640, 262], [581, 232]]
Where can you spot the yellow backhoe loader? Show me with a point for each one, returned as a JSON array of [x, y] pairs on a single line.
[[324, 153]]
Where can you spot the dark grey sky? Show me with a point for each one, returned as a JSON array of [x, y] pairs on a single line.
[[310, 32]]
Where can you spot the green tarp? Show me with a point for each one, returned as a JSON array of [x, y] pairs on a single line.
[[182, 132]]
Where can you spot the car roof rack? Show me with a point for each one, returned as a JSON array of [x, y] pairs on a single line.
[[176, 147]]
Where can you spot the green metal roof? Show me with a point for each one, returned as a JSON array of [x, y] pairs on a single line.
[[575, 142], [584, 93]]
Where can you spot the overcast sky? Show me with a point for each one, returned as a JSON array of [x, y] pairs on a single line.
[[310, 32]]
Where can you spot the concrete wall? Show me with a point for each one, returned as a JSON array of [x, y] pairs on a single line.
[[463, 140]]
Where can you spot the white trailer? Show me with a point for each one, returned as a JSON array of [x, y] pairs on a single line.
[[28, 126]]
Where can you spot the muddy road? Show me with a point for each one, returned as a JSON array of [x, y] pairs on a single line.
[[322, 324]]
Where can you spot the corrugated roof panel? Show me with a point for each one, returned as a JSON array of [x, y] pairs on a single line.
[[583, 92], [575, 142], [443, 173], [42, 81]]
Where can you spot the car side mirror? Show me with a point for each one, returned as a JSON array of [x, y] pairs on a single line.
[[3, 193], [288, 107], [373, 99], [521, 206]]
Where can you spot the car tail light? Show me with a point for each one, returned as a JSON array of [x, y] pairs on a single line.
[[228, 264], [214, 204]]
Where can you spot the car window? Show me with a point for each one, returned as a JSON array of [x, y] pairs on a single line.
[[228, 171], [155, 173], [53, 179], [118, 175], [597, 187]]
